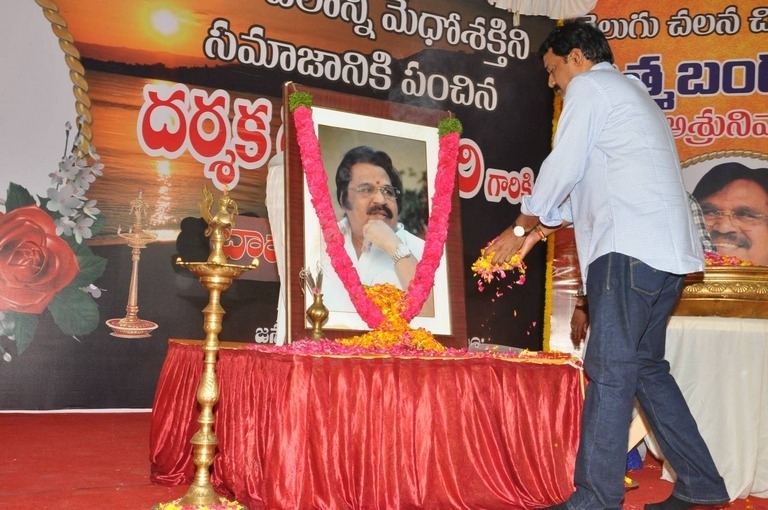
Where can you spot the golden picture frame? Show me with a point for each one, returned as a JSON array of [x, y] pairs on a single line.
[[726, 291]]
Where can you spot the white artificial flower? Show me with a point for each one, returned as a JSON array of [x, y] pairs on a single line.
[[82, 228], [64, 200], [90, 209], [64, 226]]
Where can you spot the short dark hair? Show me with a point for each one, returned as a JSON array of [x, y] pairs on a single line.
[[719, 176], [578, 34], [365, 154]]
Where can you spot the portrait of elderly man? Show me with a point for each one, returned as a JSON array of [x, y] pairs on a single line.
[[734, 203], [370, 192]]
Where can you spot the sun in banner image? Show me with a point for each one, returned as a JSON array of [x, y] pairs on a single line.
[[44, 263]]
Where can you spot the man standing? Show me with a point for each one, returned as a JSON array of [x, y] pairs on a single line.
[[614, 173], [734, 203], [369, 190]]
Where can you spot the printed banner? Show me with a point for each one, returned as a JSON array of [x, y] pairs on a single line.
[[175, 98], [706, 65]]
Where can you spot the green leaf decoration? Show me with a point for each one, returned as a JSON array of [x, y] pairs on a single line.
[[17, 196], [448, 126], [91, 266], [24, 329], [74, 311], [7, 323], [297, 99], [43, 201]]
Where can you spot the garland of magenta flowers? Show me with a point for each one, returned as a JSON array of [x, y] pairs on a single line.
[[449, 131]]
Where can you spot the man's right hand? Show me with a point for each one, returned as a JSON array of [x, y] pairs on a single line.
[[507, 244], [380, 234]]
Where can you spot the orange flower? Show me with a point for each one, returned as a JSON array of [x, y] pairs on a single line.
[[488, 272], [394, 332], [717, 259]]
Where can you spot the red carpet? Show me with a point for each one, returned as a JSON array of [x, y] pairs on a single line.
[[80, 461], [90, 461]]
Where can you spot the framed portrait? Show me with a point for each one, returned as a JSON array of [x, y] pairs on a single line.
[[408, 135], [732, 190]]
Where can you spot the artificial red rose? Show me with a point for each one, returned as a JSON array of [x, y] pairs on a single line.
[[35, 263]]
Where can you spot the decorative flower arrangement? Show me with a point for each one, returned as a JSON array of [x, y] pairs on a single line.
[[712, 258], [394, 331], [489, 273], [43, 261], [411, 302], [307, 347]]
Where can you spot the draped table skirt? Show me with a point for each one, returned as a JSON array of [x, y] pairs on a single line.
[[329, 432], [721, 366]]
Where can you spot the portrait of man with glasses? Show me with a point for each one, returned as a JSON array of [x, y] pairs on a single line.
[[369, 191], [734, 205]]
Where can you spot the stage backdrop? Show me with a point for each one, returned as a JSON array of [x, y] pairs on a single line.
[[706, 65], [178, 96]]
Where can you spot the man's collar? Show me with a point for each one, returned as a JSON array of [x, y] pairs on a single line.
[[601, 65], [344, 225]]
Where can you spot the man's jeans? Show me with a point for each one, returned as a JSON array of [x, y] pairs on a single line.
[[629, 305]]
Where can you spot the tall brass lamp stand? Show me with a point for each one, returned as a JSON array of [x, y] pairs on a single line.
[[216, 275]]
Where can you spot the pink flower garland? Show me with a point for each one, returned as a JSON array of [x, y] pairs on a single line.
[[437, 232], [317, 181]]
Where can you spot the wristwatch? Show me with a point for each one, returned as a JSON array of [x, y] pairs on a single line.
[[519, 231], [401, 252]]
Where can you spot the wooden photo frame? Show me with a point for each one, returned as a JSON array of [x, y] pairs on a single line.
[[409, 135]]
